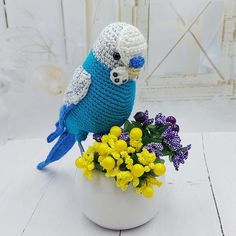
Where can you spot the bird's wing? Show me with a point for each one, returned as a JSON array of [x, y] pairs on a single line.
[[78, 86]]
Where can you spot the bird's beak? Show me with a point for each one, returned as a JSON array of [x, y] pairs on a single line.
[[133, 72]]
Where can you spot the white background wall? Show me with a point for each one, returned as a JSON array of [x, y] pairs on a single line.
[[42, 42]]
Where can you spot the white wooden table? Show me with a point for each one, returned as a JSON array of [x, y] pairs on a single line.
[[201, 197]]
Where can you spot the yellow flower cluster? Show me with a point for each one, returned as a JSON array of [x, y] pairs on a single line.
[[128, 163]]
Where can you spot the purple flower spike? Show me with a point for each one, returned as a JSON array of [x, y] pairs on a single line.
[[155, 148], [147, 121], [171, 139], [180, 156], [160, 120], [125, 136], [97, 137]]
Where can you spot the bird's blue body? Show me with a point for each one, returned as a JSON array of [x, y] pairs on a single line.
[[105, 104], [102, 91]]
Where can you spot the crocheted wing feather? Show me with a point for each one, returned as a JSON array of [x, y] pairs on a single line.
[[78, 87]]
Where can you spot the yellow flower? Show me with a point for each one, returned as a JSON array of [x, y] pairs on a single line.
[[154, 181], [129, 163], [137, 144], [102, 149], [101, 158], [91, 166], [119, 162], [130, 150], [111, 143], [88, 173], [147, 168], [124, 154], [159, 169], [135, 182], [148, 191], [136, 133], [120, 145], [140, 189], [115, 155], [116, 131], [112, 173], [137, 170], [145, 157], [105, 138], [108, 163], [86, 162], [123, 178], [79, 162]]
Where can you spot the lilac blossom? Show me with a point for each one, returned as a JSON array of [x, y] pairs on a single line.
[[147, 120], [155, 148], [160, 119], [171, 139], [180, 156], [124, 136], [97, 137]]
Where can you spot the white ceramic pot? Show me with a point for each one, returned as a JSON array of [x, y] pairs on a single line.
[[108, 206]]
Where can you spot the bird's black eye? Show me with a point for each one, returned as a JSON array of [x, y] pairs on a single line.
[[115, 74], [116, 56], [117, 80]]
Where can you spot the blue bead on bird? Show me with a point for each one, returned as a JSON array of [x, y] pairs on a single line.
[[102, 91]]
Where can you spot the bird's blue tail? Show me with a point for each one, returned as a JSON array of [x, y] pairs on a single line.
[[63, 145], [65, 141], [60, 125]]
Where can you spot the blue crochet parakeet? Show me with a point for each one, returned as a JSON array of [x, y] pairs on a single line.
[[102, 91]]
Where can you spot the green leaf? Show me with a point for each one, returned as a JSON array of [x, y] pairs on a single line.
[[136, 124], [145, 133], [163, 128], [155, 140], [151, 127], [123, 167], [146, 140], [128, 126], [159, 160], [135, 158], [171, 158]]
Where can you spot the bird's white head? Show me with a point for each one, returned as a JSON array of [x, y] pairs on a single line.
[[121, 47]]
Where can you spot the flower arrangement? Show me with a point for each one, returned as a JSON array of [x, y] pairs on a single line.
[[136, 153]]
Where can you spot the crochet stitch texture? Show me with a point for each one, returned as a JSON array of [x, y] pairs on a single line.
[[102, 91], [105, 104]]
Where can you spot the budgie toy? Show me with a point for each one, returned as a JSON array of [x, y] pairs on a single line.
[[102, 91]]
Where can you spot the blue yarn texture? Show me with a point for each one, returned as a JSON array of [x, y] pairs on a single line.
[[105, 104]]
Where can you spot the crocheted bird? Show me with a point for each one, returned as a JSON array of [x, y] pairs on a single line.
[[102, 91]]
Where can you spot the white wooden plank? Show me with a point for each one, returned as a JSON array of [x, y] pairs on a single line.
[[183, 92], [220, 152], [21, 185], [75, 31], [2, 16], [58, 212], [99, 14], [188, 208]]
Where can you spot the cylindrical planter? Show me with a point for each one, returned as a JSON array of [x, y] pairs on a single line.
[[108, 206]]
